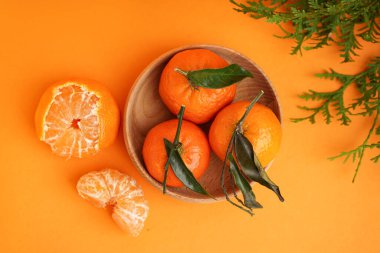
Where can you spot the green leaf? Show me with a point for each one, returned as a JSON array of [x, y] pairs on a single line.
[[375, 159], [251, 166], [222, 180], [216, 78], [180, 170], [166, 170], [244, 186]]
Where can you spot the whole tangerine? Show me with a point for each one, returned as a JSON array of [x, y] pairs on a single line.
[[261, 127], [175, 89], [194, 151]]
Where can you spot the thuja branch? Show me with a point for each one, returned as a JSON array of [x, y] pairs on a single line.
[[315, 23], [367, 104], [359, 151]]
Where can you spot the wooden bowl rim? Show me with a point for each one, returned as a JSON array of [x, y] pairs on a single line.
[[127, 111]]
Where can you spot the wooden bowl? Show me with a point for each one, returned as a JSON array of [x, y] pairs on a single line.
[[144, 109]]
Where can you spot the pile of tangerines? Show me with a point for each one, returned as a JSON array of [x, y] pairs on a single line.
[[79, 118]]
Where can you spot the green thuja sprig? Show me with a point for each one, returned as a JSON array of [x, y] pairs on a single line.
[[317, 23], [367, 104]]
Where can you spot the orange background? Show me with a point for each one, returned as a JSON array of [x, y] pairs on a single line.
[[112, 41]]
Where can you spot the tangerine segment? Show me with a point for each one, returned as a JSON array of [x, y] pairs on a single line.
[[195, 150], [261, 127], [201, 103], [110, 187], [77, 119]]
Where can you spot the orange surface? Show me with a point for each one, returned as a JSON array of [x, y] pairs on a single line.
[[112, 41]]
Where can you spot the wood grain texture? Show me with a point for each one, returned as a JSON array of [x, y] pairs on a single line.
[[144, 109]]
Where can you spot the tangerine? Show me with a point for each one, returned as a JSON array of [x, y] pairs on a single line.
[[109, 187], [201, 103], [261, 127], [77, 118], [195, 150]]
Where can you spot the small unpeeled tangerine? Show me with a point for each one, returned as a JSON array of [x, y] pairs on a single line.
[[109, 187]]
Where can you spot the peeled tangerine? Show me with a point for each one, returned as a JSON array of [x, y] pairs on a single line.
[[77, 118], [109, 187]]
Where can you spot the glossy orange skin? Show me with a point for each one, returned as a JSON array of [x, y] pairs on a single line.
[[195, 150], [175, 90], [261, 127]]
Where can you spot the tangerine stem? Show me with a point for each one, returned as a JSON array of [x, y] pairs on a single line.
[[182, 72], [180, 118], [176, 146], [249, 108]]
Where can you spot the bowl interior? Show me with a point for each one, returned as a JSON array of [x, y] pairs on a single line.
[[144, 109]]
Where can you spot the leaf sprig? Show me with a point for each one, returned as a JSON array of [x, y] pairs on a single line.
[[244, 166], [177, 164], [367, 104], [318, 23]]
